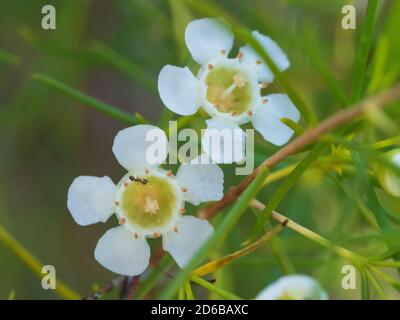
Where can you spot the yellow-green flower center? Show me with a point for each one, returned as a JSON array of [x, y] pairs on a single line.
[[150, 203], [228, 90]]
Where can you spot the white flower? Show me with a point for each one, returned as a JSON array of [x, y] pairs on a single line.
[[293, 287], [229, 90], [148, 202], [389, 179]]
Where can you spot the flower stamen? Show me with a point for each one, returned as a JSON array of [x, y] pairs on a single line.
[[151, 205], [238, 82]]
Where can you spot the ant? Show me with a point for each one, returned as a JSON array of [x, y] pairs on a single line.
[[142, 181]]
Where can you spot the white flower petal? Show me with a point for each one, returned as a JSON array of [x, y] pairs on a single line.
[[249, 57], [118, 251], [140, 147], [204, 182], [91, 199], [179, 90], [266, 118], [293, 287], [272, 49], [205, 38], [191, 235], [224, 141]]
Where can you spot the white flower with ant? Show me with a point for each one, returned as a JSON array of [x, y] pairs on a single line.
[[228, 89], [148, 202]]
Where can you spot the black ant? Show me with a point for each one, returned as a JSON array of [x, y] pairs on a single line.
[[142, 181]]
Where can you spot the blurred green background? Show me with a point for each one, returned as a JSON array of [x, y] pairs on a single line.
[[113, 50]]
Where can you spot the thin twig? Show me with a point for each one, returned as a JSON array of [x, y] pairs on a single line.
[[351, 256], [378, 101], [214, 265]]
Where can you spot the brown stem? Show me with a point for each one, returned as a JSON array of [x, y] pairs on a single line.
[[128, 284], [124, 288], [132, 287], [378, 101]]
